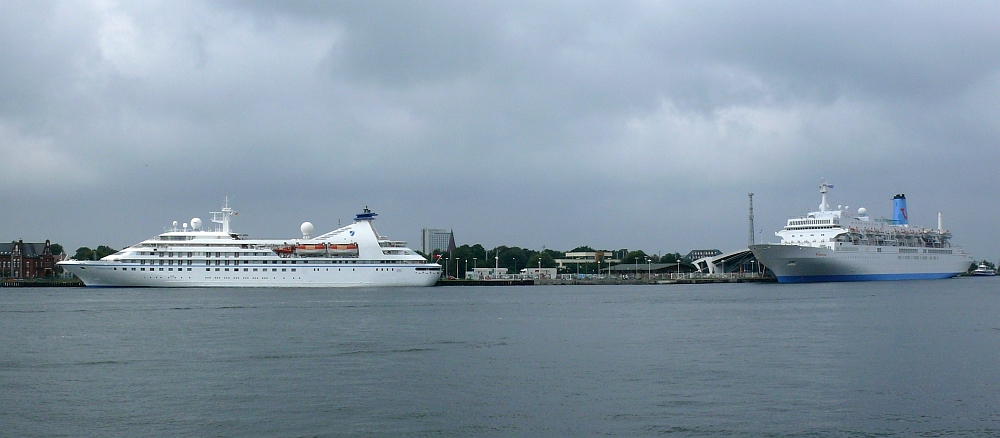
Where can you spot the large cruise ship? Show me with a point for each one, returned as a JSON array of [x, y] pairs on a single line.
[[835, 245], [354, 255]]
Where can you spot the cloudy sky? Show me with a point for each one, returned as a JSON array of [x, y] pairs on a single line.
[[638, 125]]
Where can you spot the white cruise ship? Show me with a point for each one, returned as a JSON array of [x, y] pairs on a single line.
[[354, 255], [834, 245]]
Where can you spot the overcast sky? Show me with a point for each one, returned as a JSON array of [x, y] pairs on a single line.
[[638, 125]]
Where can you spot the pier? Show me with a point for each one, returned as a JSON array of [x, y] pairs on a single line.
[[23, 282]]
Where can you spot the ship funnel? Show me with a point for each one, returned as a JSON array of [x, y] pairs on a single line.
[[899, 213]]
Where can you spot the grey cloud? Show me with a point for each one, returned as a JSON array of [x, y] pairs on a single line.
[[618, 124]]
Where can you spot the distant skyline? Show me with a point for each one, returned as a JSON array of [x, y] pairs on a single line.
[[639, 125]]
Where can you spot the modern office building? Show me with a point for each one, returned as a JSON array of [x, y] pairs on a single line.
[[436, 239]]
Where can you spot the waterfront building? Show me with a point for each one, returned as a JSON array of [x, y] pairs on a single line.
[[538, 273], [696, 254], [432, 239], [27, 260], [645, 270], [585, 257], [487, 274]]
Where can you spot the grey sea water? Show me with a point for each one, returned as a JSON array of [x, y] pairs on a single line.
[[917, 358]]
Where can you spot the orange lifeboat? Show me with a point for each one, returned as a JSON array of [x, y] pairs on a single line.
[[310, 248], [284, 251], [343, 249]]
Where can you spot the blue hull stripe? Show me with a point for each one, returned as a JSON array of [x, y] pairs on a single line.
[[863, 277]]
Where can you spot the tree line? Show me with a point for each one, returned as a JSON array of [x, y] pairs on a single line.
[[515, 258]]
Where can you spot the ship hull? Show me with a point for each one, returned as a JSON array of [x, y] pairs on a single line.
[[113, 274], [803, 264]]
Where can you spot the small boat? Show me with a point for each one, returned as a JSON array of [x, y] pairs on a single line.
[[286, 250], [984, 271], [343, 249], [310, 249]]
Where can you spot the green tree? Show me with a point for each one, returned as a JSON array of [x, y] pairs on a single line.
[[84, 253], [584, 248], [635, 257], [55, 248], [514, 258], [670, 258], [546, 258]]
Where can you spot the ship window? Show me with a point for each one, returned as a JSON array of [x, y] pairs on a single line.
[[283, 269], [208, 269], [189, 269], [293, 269], [284, 261], [216, 269], [170, 269], [142, 269], [274, 269], [255, 269], [161, 269]]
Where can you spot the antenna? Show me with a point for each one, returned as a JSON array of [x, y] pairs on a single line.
[[751, 217]]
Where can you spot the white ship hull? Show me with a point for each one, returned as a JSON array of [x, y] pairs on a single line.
[[196, 258], [798, 264], [98, 274]]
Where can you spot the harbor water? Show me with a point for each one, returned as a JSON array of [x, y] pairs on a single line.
[[903, 358]]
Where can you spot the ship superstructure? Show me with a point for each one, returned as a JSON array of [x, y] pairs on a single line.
[[836, 245], [353, 255]]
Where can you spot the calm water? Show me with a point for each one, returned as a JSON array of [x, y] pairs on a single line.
[[861, 359]]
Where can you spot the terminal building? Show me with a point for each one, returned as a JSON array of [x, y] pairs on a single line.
[[432, 239], [585, 257]]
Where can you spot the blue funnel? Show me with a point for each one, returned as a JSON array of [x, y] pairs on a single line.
[[899, 214]]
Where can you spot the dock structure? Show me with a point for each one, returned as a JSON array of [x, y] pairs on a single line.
[[515, 282]]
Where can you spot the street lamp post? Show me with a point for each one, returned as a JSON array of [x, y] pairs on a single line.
[[637, 267], [649, 269]]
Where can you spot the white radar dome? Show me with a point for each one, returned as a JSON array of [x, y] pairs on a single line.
[[175, 224], [862, 211], [307, 230], [195, 224]]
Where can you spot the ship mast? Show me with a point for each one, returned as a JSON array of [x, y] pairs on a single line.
[[226, 213], [751, 240], [822, 189]]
